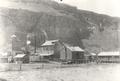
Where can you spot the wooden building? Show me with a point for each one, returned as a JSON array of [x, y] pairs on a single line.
[[21, 58], [108, 56], [68, 52], [57, 50], [45, 52]]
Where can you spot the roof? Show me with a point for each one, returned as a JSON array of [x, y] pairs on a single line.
[[49, 42], [109, 54], [93, 54], [75, 48], [19, 55], [3, 55]]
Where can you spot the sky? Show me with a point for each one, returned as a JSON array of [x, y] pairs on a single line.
[[110, 7]]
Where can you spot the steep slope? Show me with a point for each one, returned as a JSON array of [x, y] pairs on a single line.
[[50, 20]]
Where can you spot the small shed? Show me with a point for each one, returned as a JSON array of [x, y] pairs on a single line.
[[21, 58]]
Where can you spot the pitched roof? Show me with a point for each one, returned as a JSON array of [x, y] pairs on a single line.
[[49, 42], [75, 48], [3, 55], [93, 54], [109, 54], [19, 55]]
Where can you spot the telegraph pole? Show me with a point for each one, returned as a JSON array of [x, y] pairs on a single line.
[[35, 43]]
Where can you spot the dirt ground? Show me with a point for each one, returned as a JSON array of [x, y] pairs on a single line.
[[87, 72]]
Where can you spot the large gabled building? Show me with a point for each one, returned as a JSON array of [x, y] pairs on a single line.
[[45, 52], [55, 49]]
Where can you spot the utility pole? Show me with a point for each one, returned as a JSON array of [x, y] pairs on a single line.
[[65, 53], [35, 43]]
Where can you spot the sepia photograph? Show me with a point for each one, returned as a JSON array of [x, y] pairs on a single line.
[[59, 40]]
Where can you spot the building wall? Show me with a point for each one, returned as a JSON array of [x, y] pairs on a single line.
[[34, 58], [78, 55], [46, 49], [69, 54], [59, 51], [3, 60], [64, 53], [109, 58]]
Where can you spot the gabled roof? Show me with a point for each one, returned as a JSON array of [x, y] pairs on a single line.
[[109, 53], [74, 48], [19, 55], [93, 54], [49, 42]]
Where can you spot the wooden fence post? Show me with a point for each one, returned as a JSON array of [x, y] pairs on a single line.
[[20, 66]]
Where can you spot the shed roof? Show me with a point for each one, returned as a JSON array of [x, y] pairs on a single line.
[[92, 54], [20, 55], [49, 42], [75, 48], [109, 54]]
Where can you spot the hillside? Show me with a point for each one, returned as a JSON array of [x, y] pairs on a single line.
[[50, 20]]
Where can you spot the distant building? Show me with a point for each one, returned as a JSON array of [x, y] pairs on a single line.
[[21, 58], [68, 52], [3, 57], [45, 52], [108, 56]]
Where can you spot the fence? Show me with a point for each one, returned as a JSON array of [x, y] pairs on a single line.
[[85, 61], [57, 63]]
